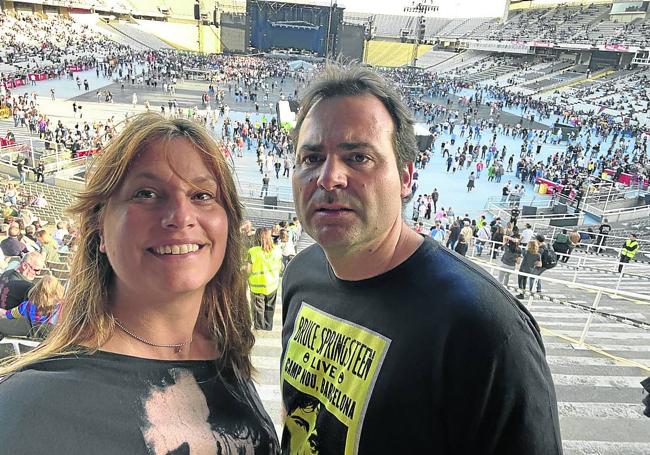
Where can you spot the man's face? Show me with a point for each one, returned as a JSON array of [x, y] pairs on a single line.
[[346, 185]]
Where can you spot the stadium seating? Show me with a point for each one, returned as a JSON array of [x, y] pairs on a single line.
[[391, 54]]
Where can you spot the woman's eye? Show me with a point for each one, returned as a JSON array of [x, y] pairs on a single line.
[[144, 194], [203, 196]]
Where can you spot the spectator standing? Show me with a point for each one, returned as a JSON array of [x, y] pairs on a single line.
[[265, 186], [22, 169], [530, 261], [155, 312], [511, 256], [470, 181], [462, 245], [549, 259], [288, 247], [454, 234], [483, 236], [434, 198], [630, 247], [603, 230], [349, 286], [562, 245], [264, 267]]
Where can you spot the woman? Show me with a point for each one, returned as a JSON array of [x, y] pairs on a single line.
[[511, 256], [42, 304], [470, 181], [532, 260], [264, 266], [153, 343]]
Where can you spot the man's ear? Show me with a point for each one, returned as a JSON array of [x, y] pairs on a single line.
[[406, 176]]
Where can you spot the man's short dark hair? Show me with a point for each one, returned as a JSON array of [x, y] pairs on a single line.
[[355, 80]]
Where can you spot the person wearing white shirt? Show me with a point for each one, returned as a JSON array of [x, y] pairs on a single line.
[[526, 235]]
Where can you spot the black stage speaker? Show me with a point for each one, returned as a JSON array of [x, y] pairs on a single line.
[[528, 210], [270, 201], [647, 199], [197, 11]]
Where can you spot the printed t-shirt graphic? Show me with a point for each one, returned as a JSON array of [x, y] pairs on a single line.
[[330, 368]]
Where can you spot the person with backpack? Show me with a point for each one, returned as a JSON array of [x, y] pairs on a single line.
[[532, 260], [549, 259]]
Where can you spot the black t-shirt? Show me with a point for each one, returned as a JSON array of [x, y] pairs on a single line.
[[433, 356], [109, 403], [13, 289]]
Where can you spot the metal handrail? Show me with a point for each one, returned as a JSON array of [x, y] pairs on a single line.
[[624, 270], [597, 235]]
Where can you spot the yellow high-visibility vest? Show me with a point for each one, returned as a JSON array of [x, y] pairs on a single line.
[[630, 248], [266, 266]]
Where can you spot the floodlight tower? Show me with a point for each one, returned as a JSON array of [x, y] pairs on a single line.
[[421, 7]]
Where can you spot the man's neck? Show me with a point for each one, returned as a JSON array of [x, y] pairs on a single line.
[[377, 258]]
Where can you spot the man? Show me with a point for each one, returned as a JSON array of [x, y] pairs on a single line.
[[265, 185], [60, 232], [526, 235], [630, 247], [376, 317], [29, 239], [16, 283], [434, 198], [604, 230], [11, 246]]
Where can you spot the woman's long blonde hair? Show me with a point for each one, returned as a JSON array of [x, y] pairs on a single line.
[[46, 294], [85, 318], [532, 247]]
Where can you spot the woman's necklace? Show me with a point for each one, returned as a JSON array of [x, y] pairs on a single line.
[[177, 347]]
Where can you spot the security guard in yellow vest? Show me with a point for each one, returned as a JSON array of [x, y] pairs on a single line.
[[264, 266], [628, 251]]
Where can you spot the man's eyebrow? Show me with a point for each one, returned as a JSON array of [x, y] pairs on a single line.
[[340, 145], [355, 145], [311, 147]]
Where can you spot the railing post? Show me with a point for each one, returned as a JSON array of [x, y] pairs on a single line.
[[575, 274], [620, 277], [585, 330]]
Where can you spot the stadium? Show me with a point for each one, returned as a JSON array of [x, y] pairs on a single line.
[[530, 113]]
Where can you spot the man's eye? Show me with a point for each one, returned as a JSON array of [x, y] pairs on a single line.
[[359, 158], [311, 159], [144, 194]]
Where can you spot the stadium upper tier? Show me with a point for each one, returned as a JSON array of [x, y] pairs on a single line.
[[584, 24]]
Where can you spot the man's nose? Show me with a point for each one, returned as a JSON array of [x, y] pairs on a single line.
[[333, 174]]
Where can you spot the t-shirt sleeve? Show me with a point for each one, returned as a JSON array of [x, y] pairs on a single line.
[[505, 403]]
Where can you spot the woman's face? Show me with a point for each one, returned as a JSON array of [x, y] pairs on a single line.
[[164, 230]]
